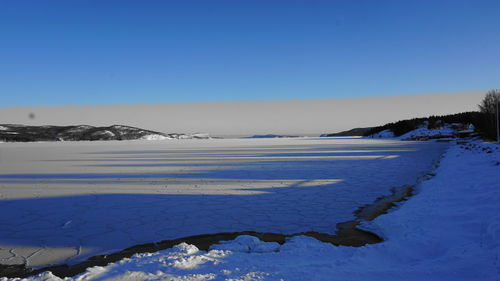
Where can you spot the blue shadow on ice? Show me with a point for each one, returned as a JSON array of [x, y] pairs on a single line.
[[110, 222]]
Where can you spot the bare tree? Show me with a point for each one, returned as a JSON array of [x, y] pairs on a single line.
[[489, 103], [489, 107]]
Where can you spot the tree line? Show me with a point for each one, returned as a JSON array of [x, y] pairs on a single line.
[[485, 120]]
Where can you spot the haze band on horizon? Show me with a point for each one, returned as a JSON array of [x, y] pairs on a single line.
[[290, 117]]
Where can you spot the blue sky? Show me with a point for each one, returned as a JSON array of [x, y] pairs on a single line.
[[128, 52]]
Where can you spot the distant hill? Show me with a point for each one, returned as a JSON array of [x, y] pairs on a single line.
[[23, 133], [402, 127], [350, 133], [269, 136], [422, 128]]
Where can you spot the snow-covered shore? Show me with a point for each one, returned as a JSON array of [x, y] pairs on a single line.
[[445, 131], [450, 230]]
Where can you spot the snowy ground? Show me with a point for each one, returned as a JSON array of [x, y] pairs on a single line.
[[450, 230], [446, 130], [64, 202]]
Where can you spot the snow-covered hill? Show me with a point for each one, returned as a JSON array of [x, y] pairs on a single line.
[[349, 133], [425, 133], [22, 133]]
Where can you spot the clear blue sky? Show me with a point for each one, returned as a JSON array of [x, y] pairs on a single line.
[[126, 52]]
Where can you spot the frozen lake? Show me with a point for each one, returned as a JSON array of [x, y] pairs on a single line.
[[63, 202]]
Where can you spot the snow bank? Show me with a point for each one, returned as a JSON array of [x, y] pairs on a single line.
[[445, 131], [195, 136], [450, 230], [155, 137], [385, 134], [247, 244]]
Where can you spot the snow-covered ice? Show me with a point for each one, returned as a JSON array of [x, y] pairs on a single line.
[[449, 230], [64, 202]]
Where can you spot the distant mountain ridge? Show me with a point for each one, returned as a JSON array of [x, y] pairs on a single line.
[[23, 133], [349, 133], [269, 136]]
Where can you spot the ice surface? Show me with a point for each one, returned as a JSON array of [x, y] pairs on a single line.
[[449, 230], [63, 202]]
